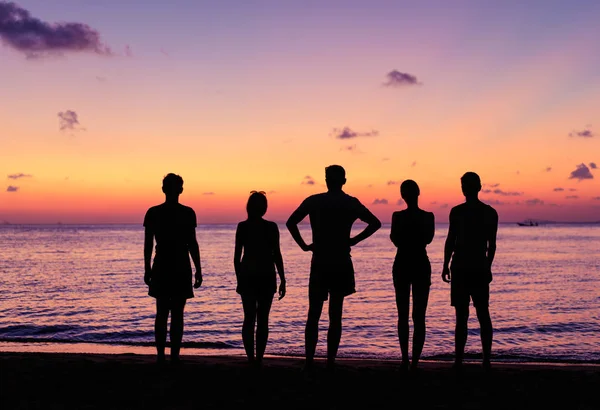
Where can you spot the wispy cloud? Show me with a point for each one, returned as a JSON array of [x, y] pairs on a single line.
[[596, 198], [498, 191], [12, 188], [491, 185], [208, 193], [572, 189], [69, 121], [308, 180], [534, 202], [393, 183], [558, 189], [36, 38], [396, 78], [19, 176], [128, 51], [572, 197], [413, 164], [385, 159], [346, 133], [381, 201], [585, 133], [495, 202], [581, 172], [101, 79], [350, 148], [593, 165], [548, 169], [444, 206]]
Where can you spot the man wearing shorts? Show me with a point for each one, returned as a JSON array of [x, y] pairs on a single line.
[[332, 214], [471, 244]]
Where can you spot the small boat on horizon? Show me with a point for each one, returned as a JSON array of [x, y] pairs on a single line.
[[528, 222]]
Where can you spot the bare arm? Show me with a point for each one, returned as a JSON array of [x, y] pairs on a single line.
[[292, 224], [449, 250], [279, 264], [394, 232], [429, 228], [237, 254], [373, 224], [148, 245], [195, 254], [493, 231]]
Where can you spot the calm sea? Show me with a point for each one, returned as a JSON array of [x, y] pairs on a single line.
[[80, 288]]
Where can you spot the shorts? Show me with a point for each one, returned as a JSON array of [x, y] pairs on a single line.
[[171, 283], [462, 293], [330, 275], [257, 286]]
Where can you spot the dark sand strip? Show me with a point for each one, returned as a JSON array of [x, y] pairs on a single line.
[[89, 381]]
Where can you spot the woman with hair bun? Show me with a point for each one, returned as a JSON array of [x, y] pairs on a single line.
[[257, 255], [412, 230]]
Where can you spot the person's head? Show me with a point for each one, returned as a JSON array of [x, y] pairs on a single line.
[[257, 204], [409, 190], [470, 184], [335, 176], [172, 185]]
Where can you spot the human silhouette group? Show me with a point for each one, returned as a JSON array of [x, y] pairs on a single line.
[[469, 252]]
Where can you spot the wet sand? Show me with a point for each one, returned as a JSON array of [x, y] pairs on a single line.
[[128, 381]]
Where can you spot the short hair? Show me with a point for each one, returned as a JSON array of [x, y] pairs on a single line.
[[471, 183], [335, 173], [409, 189], [172, 183], [470, 178], [257, 205]]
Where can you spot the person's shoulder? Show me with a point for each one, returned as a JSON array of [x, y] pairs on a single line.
[[186, 208], [491, 211], [427, 214], [352, 199], [151, 215], [458, 208], [153, 210], [272, 226], [317, 197]]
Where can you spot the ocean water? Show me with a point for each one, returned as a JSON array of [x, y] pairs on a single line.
[[80, 288]]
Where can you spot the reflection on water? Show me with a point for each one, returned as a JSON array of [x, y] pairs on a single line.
[[84, 285]]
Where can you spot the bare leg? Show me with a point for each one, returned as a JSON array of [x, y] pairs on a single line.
[[402, 304], [160, 328], [334, 334], [262, 325], [420, 300], [249, 304], [460, 333], [176, 328], [486, 331], [311, 335]]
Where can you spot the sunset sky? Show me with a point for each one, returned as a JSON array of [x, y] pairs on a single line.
[[100, 99]]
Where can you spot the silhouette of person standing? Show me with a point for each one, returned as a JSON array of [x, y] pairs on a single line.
[[412, 230], [169, 278], [258, 240], [471, 243], [331, 273]]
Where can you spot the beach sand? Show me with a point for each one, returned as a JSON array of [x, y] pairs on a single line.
[[90, 381]]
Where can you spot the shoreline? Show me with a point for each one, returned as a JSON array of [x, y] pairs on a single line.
[[113, 349], [132, 381]]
